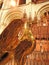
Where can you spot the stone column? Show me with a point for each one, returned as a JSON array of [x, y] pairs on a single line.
[[27, 1]]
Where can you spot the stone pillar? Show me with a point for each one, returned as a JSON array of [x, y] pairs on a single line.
[[27, 1]]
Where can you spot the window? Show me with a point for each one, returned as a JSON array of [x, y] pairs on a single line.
[[45, 13]]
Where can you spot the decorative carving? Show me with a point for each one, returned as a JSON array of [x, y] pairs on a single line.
[[10, 43]]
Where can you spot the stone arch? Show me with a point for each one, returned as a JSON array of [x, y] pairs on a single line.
[[42, 10], [11, 16]]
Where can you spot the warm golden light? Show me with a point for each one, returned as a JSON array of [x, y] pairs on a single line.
[[14, 3], [44, 24], [32, 37], [25, 26]]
